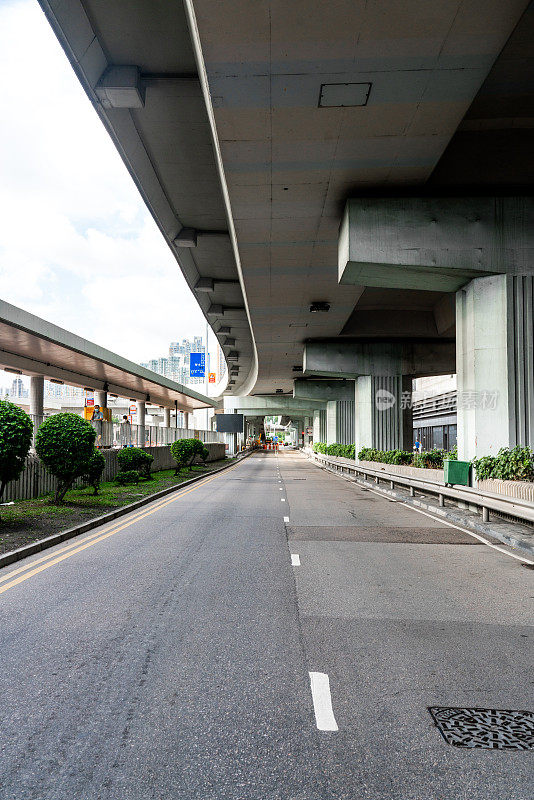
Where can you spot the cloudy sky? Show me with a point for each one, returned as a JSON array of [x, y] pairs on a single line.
[[77, 245]]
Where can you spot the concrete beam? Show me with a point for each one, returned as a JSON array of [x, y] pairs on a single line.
[[349, 359], [272, 405], [434, 243], [323, 390]]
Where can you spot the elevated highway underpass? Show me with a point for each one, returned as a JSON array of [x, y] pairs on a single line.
[[342, 174]]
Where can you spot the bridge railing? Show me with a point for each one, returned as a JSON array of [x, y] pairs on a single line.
[[116, 434]]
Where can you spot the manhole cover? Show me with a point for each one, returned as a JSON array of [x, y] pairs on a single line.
[[485, 728]]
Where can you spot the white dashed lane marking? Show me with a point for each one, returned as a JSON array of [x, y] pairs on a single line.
[[322, 702]]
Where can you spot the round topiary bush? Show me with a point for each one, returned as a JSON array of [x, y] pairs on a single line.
[[126, 477], [182, 450], [135, 458], [16, 431], [197, 449], [65, 445], [94, 469]]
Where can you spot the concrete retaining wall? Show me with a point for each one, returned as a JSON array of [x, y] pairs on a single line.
[[35, 480]]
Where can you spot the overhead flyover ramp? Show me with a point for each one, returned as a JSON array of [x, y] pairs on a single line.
[[35, 347]]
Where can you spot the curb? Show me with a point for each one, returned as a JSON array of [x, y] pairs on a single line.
[[449, 514], [70, 533]]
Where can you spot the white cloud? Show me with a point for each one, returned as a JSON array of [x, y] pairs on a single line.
[[77, 245]]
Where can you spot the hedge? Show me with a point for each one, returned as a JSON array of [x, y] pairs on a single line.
[[516, 464], [342, 450], [433, 459], [430, 460], [510, 464]]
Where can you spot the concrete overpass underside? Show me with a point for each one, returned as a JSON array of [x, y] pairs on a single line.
[[357, 172]]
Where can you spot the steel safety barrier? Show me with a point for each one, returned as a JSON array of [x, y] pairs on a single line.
[[483, 502]]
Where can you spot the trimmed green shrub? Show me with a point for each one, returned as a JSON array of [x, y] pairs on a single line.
[[319, 447], [182, 450], [341, 450], [65, 445], [16, 431], [197, 449], [204, 455], [126, 477], [336, 449], [516, 464], [135, 458], [485, 467], [452, 455], [431, 460], [94, 469]]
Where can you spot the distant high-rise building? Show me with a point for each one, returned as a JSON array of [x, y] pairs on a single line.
[[17, 389], [60, 391], [176, 365]]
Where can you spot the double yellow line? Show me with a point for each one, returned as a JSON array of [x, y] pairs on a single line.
[[29, 570]]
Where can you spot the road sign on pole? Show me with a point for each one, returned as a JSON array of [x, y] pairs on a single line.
[[197, 365]]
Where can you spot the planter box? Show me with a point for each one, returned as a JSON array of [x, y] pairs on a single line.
[[404, 470], [457, 472], [522, 490]]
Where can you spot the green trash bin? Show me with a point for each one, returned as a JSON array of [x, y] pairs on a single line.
[[457, 472]]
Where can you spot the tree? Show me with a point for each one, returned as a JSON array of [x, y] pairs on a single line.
[[182, 450], [197, 449], [16, 431], [65, 444], [94, 469], [135, 458]]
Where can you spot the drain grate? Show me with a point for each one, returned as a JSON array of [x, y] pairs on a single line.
[[485, 728]]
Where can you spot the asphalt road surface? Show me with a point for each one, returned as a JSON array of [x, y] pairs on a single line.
[[168, 654]]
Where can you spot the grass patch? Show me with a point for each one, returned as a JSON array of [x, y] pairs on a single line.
[[30, 520]]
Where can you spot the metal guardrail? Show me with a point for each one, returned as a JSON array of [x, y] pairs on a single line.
[[484, 502]]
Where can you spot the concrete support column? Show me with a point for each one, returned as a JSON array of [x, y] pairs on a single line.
[[383, 414], [101, 398], [495, 364], [37, 396], [140, 423], [186, 419], [316, 426], [167, 417], [306, 435], [331, 422]]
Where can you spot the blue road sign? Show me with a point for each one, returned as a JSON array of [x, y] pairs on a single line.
[[197, 365]]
